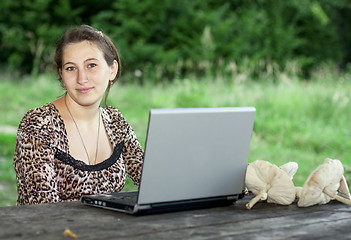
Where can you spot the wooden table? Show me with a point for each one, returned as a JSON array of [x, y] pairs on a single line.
[[264, 221]]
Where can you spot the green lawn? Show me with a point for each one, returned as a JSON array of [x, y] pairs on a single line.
[[301, 121]]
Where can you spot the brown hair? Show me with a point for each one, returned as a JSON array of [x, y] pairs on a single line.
[[88, 33]]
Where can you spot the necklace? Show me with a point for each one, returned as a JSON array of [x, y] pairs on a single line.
[[81, 138]]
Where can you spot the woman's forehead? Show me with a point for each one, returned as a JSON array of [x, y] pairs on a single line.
[[80, 51]]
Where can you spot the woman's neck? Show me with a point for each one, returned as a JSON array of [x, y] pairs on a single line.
[[67, 106]]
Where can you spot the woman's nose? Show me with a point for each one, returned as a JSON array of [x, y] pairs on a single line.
[[82, 76]]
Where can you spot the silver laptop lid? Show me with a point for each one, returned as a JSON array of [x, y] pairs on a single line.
[[195, 153]]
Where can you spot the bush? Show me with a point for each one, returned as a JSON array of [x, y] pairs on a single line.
[[152, 32]]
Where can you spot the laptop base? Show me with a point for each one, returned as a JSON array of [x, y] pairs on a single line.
[[107, 201]]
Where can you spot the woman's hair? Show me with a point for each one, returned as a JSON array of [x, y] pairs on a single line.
[[88, 33]]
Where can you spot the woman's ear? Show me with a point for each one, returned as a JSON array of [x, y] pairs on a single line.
[[114, 70], [60, 72]]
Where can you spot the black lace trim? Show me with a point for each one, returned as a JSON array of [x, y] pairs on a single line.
[[68, 159]]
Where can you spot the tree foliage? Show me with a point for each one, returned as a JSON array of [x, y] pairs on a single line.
[[151, 32]]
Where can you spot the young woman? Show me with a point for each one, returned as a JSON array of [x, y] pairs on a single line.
[[72, 146]]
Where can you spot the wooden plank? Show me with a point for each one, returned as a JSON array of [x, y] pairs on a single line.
[[264, 221]]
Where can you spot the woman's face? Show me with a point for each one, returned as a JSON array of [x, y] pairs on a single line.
[[85, 73]]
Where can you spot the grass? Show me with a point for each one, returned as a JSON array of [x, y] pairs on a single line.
[[296, 120]]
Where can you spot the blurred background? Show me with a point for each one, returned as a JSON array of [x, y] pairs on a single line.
[[182, 36], [289, 59]]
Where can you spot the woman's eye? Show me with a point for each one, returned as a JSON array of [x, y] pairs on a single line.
[[70, 69], [91, 65]]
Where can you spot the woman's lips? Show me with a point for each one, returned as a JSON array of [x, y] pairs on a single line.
[[84, 90]]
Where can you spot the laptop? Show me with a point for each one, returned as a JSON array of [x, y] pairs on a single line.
[[194, 158]]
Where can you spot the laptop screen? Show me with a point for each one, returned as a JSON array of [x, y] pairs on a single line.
[[195, 153]]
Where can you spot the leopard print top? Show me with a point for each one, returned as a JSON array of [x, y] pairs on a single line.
[[47, 173]]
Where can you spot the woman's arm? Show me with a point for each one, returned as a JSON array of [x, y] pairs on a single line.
[[33, 162], [133, 156], [132, 153]]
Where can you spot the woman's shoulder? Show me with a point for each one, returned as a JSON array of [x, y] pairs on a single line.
[[115, 118], [113, 113], [36, 118], [40, 113]]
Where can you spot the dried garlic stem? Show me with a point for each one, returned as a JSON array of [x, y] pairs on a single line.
[[343, 200], [258, 197], [337, 197]]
